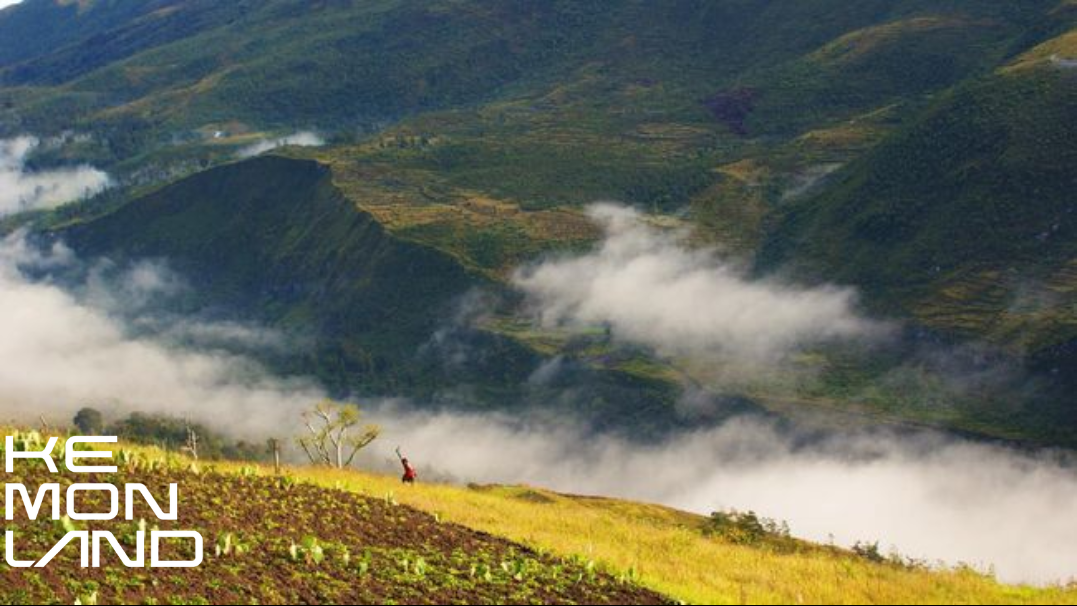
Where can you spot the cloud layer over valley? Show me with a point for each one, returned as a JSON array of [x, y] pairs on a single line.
[[929, 496]]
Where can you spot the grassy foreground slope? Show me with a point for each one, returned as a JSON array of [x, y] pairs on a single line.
[[272, 540], [664, 549], [315, 535], [669, 553]]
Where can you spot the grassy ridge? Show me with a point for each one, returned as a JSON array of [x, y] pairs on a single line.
[[154, 67], [964, 221], [273, 540], [666, 550]]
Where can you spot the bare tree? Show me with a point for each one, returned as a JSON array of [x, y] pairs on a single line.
[[191, 444], [335, 435]]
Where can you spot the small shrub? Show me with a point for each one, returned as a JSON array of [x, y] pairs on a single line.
[[869, 551], [745, 528]]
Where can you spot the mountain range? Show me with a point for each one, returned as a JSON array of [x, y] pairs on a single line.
[[920, 153]]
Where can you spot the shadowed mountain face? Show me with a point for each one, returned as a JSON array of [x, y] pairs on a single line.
[[272, 237], [918, 152]]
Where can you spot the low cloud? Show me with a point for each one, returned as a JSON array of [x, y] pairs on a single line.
[[304, 138], [62, 351], [22, 189], [141, 296], [649, 287]]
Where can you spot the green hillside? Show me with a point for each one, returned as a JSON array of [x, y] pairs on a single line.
[[150, 68], [273, 237], [974, 199]]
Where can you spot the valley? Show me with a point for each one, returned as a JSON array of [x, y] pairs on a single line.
[[638, 225]]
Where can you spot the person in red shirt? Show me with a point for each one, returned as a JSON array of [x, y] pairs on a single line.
[[409, 472]]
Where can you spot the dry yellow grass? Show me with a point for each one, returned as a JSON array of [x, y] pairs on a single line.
[[748, 171], [667, 550]]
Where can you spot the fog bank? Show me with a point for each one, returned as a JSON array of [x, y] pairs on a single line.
[[649, 287], [61, 352], [928, 496]]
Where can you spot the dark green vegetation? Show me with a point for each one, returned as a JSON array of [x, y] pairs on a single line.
[[976, 195], [747, 528], [920, 151], [147, 71], [275, 540], [274, 240], [274, 235], [171, 433]]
